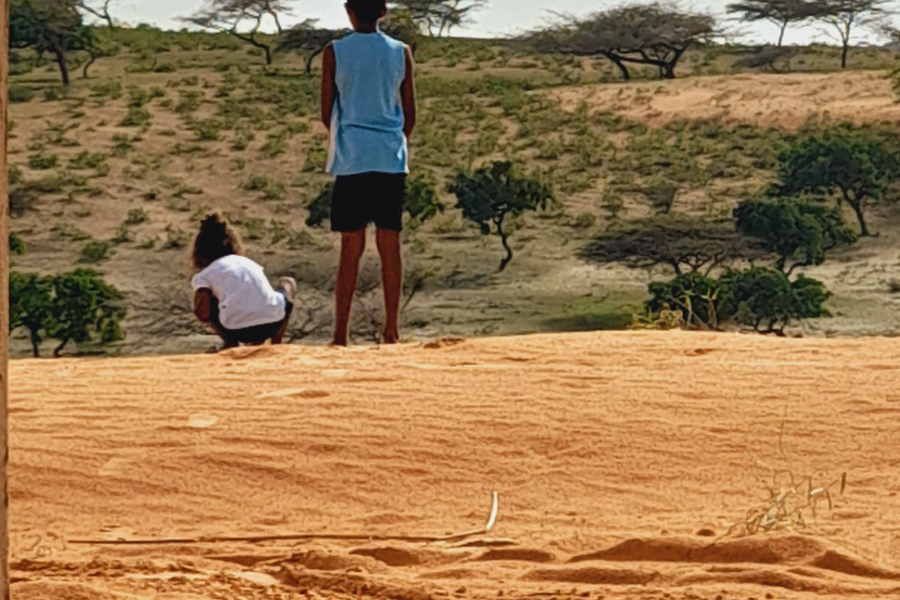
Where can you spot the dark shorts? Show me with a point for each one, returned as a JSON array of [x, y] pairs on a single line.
[[360, 200], [258, 334]]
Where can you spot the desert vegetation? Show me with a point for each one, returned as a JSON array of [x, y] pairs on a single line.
[[610, 204]]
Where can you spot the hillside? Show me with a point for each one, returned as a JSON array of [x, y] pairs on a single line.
[[115, 173], [621, 461]]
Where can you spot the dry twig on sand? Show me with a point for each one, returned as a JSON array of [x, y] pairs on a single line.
[[792, 503]]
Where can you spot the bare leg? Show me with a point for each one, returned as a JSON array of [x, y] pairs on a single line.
[[352, 247], [288, 286], [392, 280], [228, 341]]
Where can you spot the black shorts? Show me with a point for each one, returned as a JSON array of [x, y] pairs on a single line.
[[258, 334], [360, 200]]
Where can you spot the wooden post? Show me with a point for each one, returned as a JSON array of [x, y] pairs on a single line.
[[4, 303]]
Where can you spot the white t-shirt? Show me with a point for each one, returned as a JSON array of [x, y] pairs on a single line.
[[246, 298]]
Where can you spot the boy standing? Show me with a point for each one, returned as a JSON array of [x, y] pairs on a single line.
[[369, 107]]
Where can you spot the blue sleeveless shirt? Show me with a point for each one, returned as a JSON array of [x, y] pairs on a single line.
[[367, 121]]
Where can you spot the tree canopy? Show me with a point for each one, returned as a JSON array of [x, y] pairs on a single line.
[[653, 34], [243, 19], [52, 26], [780, 12], [438, 18]]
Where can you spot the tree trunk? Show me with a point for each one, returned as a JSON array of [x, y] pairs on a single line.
[[860, 210], [504, 239], [313, 56], [88, 65], [781, 36], [844, 52], [626, 75], [63, 67], [57, 352], [667, 71], [35, 345]]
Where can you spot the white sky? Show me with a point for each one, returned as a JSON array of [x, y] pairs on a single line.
[[501, 17]]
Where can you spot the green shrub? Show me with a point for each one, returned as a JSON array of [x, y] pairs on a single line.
[[110, 88], [85, 307], [15, 175], [493, 196], [16, 245], [122, 145], [43, 162], [189, 103], [694, 295], [422, 202], [768, 301], [136, 117], [276, 144], [30, 306], [854, 164], [19, 94], [271, 189], [73, 307], [176, 238], [89, 160], [320, 207], [207, 130], [52, 94], [95, 251], [136, 216], [794, 230]]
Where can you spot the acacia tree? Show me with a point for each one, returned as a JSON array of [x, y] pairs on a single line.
[[780, 12], [53, 26], [438, 17], [243, 19], [846, 17], [491, 195], [795, 231], [645, 34], [856, 166]]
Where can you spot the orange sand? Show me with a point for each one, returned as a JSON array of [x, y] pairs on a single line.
[[610, 453]]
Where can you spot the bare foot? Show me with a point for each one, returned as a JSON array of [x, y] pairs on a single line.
[[289, 286]]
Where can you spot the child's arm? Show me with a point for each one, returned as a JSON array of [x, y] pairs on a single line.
[[329, 88], [408, 95], [203, 300]]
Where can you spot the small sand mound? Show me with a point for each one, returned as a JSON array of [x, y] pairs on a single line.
[[319, 561], [392, 557], [850, 565], [594, 576], [518, 554], [769, 551]]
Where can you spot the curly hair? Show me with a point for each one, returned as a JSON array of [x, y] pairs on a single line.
[[368, 11], [215, 240]]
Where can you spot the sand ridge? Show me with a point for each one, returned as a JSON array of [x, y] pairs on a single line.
[[621, 459]]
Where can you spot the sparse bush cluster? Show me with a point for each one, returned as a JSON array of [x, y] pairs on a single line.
[[75, 307]]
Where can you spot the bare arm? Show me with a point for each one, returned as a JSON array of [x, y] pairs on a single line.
[[329, 87], [408, 95], [203, 300]]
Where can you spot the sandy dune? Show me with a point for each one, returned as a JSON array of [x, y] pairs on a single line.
[[621, 461], [787, 101]]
